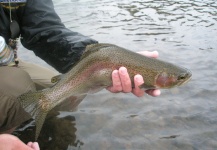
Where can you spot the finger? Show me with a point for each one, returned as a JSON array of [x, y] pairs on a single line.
[[138, 80], [125, 80], [116, 83], [154, 92], [29, 144], [35, 146], [153, 54]]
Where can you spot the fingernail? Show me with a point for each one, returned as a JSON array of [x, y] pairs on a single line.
[[157, 92], [138, 78], [123, 70], [115, 73], [156, 53]]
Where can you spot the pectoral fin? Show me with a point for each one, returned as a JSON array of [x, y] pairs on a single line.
[[70, 104], [96, 89], [146, 87]]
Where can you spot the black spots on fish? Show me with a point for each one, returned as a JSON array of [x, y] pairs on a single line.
[[40, 97], [93, 48], [44, 103], [25, 99]]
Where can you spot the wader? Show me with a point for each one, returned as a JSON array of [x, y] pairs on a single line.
[[15, 81]]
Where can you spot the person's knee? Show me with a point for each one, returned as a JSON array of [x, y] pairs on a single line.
[[15, 81]]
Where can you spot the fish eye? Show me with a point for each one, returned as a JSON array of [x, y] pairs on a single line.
[[182, 76]]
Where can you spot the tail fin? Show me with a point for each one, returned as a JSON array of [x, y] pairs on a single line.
[[29, 101], [37, 106], [39, 121]]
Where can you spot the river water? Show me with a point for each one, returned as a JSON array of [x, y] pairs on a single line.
[[183, 32]]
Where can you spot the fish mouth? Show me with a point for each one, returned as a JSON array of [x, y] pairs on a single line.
[[187, 77], [186, 81]]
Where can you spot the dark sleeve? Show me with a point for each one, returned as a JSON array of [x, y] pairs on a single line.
[[43, 32]]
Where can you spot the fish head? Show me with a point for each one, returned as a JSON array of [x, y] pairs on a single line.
[[172, 77]]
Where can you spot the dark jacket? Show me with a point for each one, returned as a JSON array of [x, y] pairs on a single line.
[[43, 32]]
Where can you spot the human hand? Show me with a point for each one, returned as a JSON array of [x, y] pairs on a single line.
[[122, 83]]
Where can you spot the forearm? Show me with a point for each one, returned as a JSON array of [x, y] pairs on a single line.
[[44, 33]]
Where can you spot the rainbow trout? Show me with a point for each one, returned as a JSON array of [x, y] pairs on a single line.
[[94, 69]]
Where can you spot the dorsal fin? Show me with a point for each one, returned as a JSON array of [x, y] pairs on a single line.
[[94, 47]]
